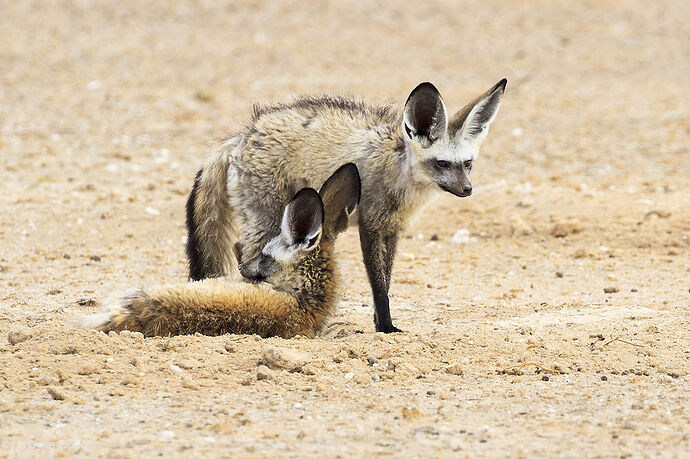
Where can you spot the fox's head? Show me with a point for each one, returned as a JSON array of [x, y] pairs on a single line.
[[292, 260], [444, 150]]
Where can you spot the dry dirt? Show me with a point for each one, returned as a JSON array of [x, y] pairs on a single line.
[[107, 110]]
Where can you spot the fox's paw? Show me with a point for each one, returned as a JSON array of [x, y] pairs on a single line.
[[388, 328]]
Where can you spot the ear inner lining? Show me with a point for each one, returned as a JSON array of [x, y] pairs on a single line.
[[425, 114], [303, 216], [340, 194], [490, 98]]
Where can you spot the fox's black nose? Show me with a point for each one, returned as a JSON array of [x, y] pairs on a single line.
[[467, 190], [251, 274]]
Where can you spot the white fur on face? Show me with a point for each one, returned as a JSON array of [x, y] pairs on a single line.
[[280, 250], [453, 150], [287, 258], [456, 150], [284, 250]]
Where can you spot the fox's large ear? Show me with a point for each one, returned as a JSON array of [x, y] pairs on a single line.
[[303, 219], [472, 122], [340, 195], [425, 118]]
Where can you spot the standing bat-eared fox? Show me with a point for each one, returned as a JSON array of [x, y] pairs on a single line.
[[298, 267], [401, 158]]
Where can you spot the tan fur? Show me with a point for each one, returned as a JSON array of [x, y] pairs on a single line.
[[303, 281], [216, 307]]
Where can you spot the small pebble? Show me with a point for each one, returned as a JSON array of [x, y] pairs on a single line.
[[186, 364], [566, 228], [86, 302], [665, 379], [604, 378], [188, 383], [461, 236], [455, 370], [137, 336], [57, 395], [89, 369], [130, 381], [544, 378], [18, 336], [580, 253], [362, 378], [263, 373], [62, 377], [285, 359], [611, 290]]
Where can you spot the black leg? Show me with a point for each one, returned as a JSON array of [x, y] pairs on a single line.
[[378, 252]]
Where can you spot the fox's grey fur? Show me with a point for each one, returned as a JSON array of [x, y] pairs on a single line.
[[240, 191]]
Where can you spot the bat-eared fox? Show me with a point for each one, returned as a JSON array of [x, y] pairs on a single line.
[[402, 158], [297, 266]]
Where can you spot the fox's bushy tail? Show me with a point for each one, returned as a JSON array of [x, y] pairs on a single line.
[[210, 307]]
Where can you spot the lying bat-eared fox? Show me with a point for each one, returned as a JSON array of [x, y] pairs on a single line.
[[401, 157], [298, 266]]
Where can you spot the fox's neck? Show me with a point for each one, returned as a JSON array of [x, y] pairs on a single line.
[[319, 293], [394, 151], [407, 187]]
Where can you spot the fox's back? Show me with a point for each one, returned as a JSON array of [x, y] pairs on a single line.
[[309, 138]]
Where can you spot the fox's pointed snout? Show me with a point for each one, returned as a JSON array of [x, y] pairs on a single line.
[[461, 192], [255, 270]]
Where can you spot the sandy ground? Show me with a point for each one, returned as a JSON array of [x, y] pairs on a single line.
[[108, 108]]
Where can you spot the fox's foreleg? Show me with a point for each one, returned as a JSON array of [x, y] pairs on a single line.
[[378, 251]]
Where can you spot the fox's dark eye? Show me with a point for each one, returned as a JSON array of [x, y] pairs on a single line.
[[468, 164], [442, 164]]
